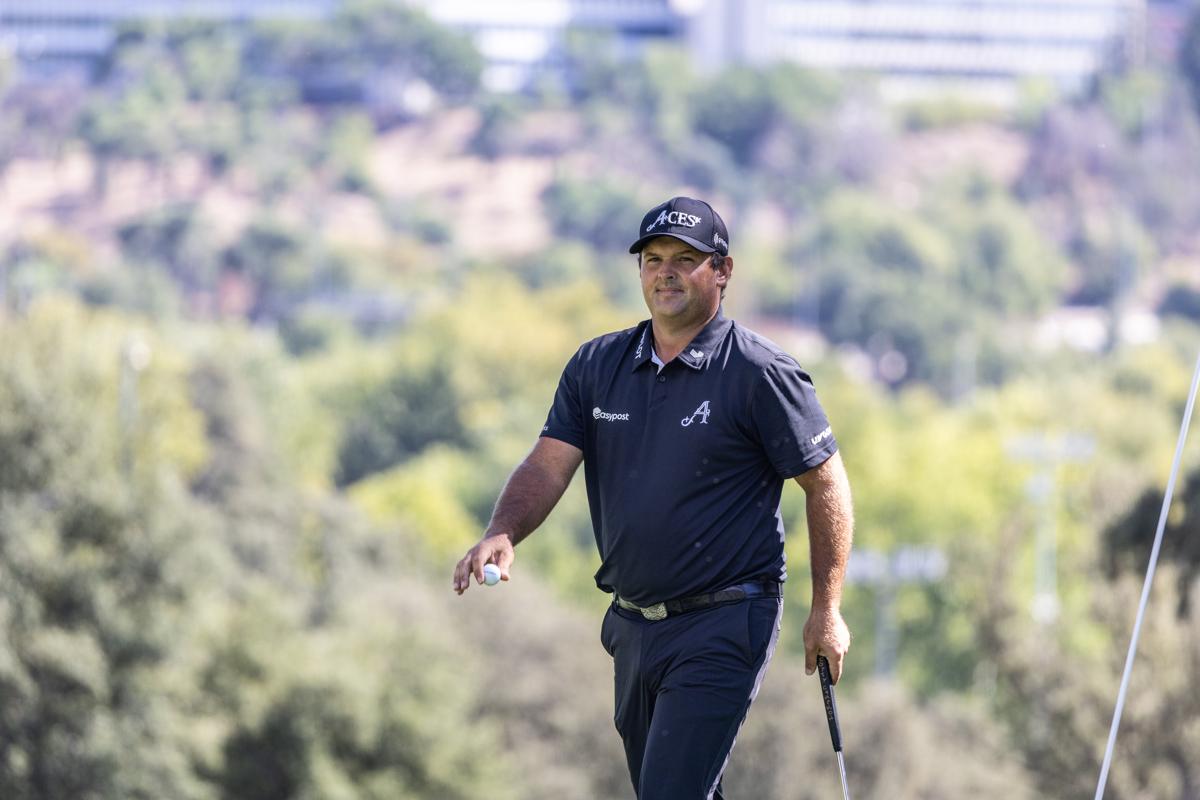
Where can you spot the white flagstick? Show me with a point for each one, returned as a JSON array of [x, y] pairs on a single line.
[[1137, 625]]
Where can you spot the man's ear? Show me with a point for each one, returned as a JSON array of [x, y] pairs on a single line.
[[723, 265]]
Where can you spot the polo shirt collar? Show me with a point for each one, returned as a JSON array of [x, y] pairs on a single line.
[[645, 345], [696, 354]]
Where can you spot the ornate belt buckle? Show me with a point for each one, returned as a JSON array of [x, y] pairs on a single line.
[[655, 612]]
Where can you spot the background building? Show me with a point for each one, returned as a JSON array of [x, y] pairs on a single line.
[[522, 40], [57, 37], [986, 47]]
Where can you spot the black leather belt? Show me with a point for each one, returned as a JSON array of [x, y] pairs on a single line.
[[667, 608]]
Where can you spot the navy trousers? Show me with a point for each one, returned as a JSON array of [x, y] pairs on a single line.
[[683, 687]]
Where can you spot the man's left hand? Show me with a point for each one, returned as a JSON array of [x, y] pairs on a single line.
[[826, 634]]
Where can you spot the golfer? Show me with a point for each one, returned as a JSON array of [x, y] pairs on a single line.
[[688, 426]]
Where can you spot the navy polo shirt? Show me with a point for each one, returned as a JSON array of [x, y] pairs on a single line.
[[685, 466]]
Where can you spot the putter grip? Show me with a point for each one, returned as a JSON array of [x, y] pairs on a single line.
[[831, 715]]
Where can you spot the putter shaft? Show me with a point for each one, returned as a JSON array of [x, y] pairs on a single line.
[[842, 771]]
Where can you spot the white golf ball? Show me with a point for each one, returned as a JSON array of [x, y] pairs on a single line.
[[491, 574]]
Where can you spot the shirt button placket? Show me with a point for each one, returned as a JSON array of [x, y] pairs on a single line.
[[660, 391]]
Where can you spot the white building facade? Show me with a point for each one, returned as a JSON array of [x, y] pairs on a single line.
[[48, 35], [523, 39], [986, 46]]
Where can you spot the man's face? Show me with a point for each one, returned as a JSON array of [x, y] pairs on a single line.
[[678, 282]]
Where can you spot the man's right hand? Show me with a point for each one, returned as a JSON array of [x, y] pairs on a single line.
[[532, 490], [825, 634], [494, 549]]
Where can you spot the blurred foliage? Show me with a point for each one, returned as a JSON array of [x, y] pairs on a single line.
[[243, 439], [1131, 100], [95, 536], [1182, 301], [599, 213], [923, 293], [950, 110], [415, 409], [153, 627], [1129, 539], [742, 108], [895, 746], [1058, 703], [367, 41]]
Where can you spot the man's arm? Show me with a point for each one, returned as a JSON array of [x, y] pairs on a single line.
[[532, 490], [830, 532]]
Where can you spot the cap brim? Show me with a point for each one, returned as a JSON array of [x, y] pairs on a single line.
[[696, 243]]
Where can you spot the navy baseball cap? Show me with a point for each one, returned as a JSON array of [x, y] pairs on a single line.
[[691, 221]]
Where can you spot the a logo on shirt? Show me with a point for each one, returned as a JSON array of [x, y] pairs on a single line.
[[696, 353], [609, 417], [641, 342], [674, 218], [822, 436], [702, 412]]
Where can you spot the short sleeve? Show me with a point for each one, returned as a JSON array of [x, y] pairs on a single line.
[[565, 420], [789, 419]]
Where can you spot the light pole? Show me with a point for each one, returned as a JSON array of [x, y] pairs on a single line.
[[885, 572], [1047, 454], [135, 357]]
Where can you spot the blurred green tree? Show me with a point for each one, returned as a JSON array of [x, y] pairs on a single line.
[[913, 288], [141, 122], [94, 591], [1110, 252], [895, 747], [280, 262], [1006, 265], [1181, 300], [347, 149], [1058, 701], [600, 213], [741, 107], [1128, 540], [175, 240], [366, 42], [415, 408]]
